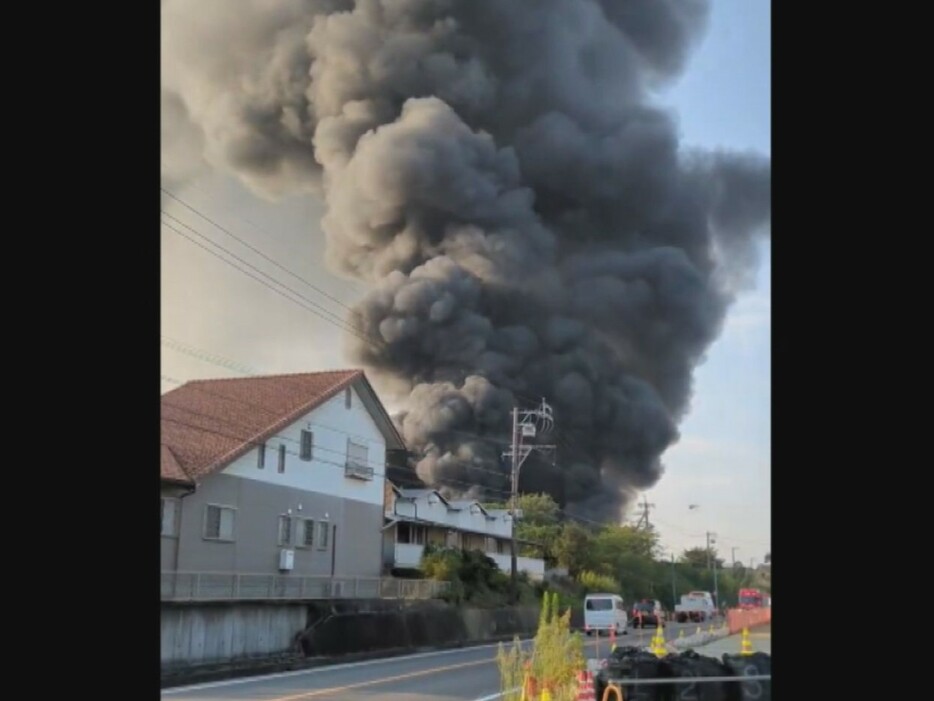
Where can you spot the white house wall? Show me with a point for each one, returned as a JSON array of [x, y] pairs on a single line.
[[438, 513], [331, 425]]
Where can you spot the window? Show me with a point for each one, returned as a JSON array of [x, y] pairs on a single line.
[[411, 534], [306, 533], [599, 605], [169, 517], [347, 398], [282, 458], [323, 527], [285, 530], [307, 442], [219, 522], [261, 458], [357, 459]]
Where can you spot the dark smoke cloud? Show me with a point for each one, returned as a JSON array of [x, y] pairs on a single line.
[[526, 219]]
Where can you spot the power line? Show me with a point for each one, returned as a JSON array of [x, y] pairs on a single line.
[[334, 320], [252, 248]]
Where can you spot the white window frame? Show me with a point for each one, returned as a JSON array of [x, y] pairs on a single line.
[[285, 521], [301, 536], [323, 535], [233, 527], [310, 454], [172, 532]]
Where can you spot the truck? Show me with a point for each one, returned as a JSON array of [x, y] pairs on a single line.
[[695, 606], [751, 599]]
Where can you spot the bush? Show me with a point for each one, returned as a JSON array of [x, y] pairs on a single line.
[[553, 662], [598, 583]]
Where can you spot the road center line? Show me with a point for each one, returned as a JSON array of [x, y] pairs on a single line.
[[384, 680]]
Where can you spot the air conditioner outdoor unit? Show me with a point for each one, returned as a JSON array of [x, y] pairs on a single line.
[[286, 559]]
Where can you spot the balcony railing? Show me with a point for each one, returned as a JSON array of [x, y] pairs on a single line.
[[227, 586], [358, 471]]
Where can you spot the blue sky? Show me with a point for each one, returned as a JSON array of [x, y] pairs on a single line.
[[722, 462]]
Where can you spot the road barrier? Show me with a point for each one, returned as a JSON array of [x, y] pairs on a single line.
[[737, 619], [638, 674]]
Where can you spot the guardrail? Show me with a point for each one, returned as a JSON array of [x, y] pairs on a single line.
[[749, 686], [228, 586]]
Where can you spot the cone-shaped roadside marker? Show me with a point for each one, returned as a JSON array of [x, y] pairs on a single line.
[[546, 695], [698, 631], [658, 643], [681, 633], [612, 638], [585, 690], [746, 643]]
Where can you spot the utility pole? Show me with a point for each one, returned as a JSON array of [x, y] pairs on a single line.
[[644, 516], [734, 549], [674, 591], [712, 562], [524, 424]]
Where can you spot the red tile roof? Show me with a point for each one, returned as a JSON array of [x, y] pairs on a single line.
[[171, 470], [206, 424]]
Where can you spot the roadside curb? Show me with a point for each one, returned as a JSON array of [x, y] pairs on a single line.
[[290, 662]]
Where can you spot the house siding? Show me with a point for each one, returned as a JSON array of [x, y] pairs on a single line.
[[255, 548], [317, 489]]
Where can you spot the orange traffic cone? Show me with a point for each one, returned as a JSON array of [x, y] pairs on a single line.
[[529, 687], [585, 690], [612, 638]]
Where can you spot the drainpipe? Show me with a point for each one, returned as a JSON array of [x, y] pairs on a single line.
[[178, 537]]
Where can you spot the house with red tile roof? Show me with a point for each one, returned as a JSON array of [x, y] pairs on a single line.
[[274, 475]]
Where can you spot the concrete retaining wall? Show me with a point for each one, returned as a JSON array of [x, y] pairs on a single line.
[[196, 634], [193, 634]]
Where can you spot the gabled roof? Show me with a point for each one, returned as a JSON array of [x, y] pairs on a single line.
[[419, 493], [207, 424], [171, 471], [462, 504]]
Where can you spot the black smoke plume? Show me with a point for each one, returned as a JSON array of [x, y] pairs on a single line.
[[496, 171]]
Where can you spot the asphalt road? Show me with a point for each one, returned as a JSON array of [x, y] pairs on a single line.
[[466, 674]]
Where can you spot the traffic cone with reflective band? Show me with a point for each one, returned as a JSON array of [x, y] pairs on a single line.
[[585, 690], [681, 633], [529, 687], [698, 631], [745, 643], [612, 638]]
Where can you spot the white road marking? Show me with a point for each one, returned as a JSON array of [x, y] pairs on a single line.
[[326, 668]]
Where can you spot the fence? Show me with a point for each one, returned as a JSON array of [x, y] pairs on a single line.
[[737, 619], [226, 586]]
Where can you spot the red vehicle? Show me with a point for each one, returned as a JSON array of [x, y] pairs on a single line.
[[751, 599]]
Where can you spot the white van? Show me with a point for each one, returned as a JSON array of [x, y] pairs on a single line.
[[604, 612]]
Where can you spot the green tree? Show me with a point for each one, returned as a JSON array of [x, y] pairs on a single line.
[[540, 523], [697, 557], [573, 548]]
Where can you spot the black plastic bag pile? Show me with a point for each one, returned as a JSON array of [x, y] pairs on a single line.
[[635, 663]]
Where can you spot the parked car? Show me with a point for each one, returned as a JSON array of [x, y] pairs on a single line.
[[648, 612]]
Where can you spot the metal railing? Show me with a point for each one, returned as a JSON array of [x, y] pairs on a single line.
[[751, 688], [228, 586], [358, 471]]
